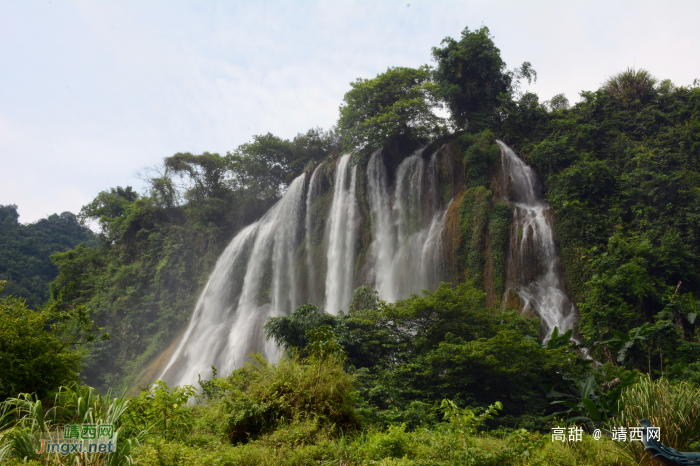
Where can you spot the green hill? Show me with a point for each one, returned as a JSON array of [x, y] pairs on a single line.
[[26, 249]]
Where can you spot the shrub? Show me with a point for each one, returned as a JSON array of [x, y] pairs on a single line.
[[394, 443], [163, 410], [292, 390]]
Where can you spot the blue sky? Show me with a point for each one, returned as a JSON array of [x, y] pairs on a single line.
[[90, 92]]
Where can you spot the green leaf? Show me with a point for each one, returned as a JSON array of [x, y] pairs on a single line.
[[591, 408], [621, 336]]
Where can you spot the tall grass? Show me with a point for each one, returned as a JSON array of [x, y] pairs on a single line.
[[23, 421], [674, 408]]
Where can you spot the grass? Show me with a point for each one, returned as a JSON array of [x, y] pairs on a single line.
[[674, 408], [23, 420], [303, 443], [301, 412]]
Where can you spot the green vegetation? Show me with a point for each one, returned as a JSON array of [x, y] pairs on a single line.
[[396, 104], [484, 219], [499, 235], [471, 77], [25, 419], [40, 350], [333, 397], [621, 172], [446, 344], [25, 252], [440, 378], [308, 411], [473, 214], [675, 409]]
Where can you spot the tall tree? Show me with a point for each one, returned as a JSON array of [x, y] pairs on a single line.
[[471, 74], [397, 103]]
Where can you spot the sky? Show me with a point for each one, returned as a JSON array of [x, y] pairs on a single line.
[[91, 92]]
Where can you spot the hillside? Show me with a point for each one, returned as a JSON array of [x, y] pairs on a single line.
[[402, 288], [619, 169], [26, 249]]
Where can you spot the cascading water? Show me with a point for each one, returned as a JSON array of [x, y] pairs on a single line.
[[310, 216], [383, 248], [257, 275], [341, 238], [222, 331], [533, 267], [405, 253]]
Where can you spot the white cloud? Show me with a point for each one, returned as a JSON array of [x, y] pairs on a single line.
[[92, 91]]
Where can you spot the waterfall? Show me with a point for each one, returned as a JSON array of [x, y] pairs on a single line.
[[407, 199], [223, 330], [310, 217], [341, 237], [405, 254], [383, 248], [533, 266], [257, 275]]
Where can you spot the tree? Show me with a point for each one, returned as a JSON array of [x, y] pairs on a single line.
[[265, 167], [315, 145], [397, 103], [639, 84], [444, 344], [107, 208], [558, 102], [471, 75], [25, 251], [206, 174], [10, 211], [261, 167], [38, 351]]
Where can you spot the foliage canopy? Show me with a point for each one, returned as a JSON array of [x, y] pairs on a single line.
[[396, 104]]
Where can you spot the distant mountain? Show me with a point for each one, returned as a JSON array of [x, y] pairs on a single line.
[[26, 249]]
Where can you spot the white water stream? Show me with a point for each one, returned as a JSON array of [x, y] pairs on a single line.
[[342, 223], [223, 329], [533, 267], [258, 276], [406, 252], [309, 218]]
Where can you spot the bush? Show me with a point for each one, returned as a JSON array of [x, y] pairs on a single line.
[[293, 390], [395, 442], [38, 349], [163, 411]]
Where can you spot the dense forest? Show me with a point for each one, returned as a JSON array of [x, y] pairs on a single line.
[[419, 380], [26, 249]]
